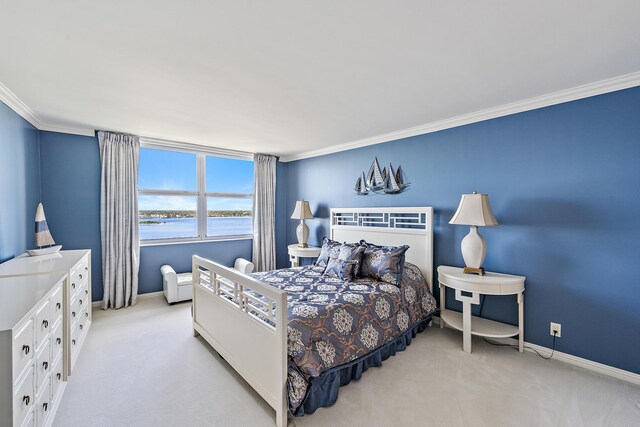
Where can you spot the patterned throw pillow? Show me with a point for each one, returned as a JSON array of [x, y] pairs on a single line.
[[349, 252], [383, 263], [329, 248]]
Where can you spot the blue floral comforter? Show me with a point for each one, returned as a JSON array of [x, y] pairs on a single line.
[[332, 322]]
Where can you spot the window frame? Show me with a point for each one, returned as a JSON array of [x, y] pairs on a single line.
[[201, 194]]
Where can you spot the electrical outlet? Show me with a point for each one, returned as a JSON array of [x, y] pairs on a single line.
[[555, 329]]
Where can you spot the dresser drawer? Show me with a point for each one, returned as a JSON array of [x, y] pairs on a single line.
[[82, 297], [57, 377], [23, 348], [44, 404], [79, 275], [24, 398], [57, 340], [56, 305], [43, 322], [43, 365]]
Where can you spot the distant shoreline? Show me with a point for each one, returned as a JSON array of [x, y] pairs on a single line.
[[190, 214]]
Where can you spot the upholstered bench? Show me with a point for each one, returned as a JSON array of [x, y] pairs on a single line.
[[178, 286]]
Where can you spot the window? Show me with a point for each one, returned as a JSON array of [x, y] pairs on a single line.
[[192, 196]]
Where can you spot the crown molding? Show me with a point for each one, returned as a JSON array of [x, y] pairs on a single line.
[[68, 129], [19, 107], [579, 92]]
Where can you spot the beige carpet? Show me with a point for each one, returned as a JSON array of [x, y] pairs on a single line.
[[142, 367]]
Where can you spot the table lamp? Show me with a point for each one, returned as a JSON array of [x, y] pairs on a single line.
[[302, 212], [474, 210]]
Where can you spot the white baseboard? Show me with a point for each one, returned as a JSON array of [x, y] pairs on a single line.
[[573, 360], [140, 296]]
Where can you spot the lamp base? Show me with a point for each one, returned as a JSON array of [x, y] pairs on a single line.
[[471, 270], [302, 233]]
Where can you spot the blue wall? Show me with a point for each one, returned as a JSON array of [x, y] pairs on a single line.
[[19, 183], [564, 183], [70, 167], [71, 193]]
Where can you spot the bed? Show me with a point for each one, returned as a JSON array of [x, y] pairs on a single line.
[[296, 335]]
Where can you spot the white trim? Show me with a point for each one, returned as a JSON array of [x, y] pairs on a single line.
[[164, 144], [68, 129], [584, 91], [188, 240], [19, 107], [148, 295], [579, 92], [600, 368], [97, 304]]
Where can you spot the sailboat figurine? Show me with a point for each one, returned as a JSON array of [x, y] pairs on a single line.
[[375, 179], [44, 241], [390, 184], [401, 179], [361, 186]]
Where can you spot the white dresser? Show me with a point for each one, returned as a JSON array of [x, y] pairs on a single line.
[[76, 298], [31, 348]]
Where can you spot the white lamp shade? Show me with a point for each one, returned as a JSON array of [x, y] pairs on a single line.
[[475, 210], [302, 210]]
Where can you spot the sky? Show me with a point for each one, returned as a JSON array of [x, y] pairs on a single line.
[[172, 170]]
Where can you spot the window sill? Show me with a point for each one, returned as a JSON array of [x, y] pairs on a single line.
[[162, 242]]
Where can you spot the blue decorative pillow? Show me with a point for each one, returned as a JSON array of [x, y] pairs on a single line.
[[384, 263], [329, 248], [349, 259]]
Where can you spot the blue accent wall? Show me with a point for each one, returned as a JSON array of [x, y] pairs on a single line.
[[19, 183], [71, 194], [564, 183], [70, 166]]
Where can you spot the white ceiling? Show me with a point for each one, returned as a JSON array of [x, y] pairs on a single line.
[[286, 77]]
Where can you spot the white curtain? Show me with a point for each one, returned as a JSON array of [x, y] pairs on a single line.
[[264, 212], [120, 156]]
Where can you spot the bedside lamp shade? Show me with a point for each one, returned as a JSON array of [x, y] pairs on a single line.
[[302, 211], [474, 210]]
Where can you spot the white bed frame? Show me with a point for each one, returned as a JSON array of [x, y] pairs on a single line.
[[224, 313]]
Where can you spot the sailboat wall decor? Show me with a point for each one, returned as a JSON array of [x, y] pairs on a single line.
[[44, 241], [387, 181]]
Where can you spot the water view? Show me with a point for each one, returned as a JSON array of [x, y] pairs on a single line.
[[172, 224]]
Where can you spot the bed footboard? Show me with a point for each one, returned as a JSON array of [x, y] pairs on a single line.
[[245, 321]]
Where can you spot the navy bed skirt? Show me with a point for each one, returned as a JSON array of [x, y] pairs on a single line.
[[323, 390]]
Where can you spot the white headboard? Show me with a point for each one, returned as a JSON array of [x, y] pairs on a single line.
[[390, 227]]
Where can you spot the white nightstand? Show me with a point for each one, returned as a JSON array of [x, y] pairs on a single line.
[[295, 253], [468, 289]]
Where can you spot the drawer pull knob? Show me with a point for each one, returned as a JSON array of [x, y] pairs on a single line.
[[73, 313], [73, 285], [86, 291], [58, 306], [80, 275], [45, 365], [73, 342], [25, 349], [80, 302], [58, 341], [86, 314], [81, 327], [45, 406], [26, 400], [86, 269], [58, 375], [45, 323]]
